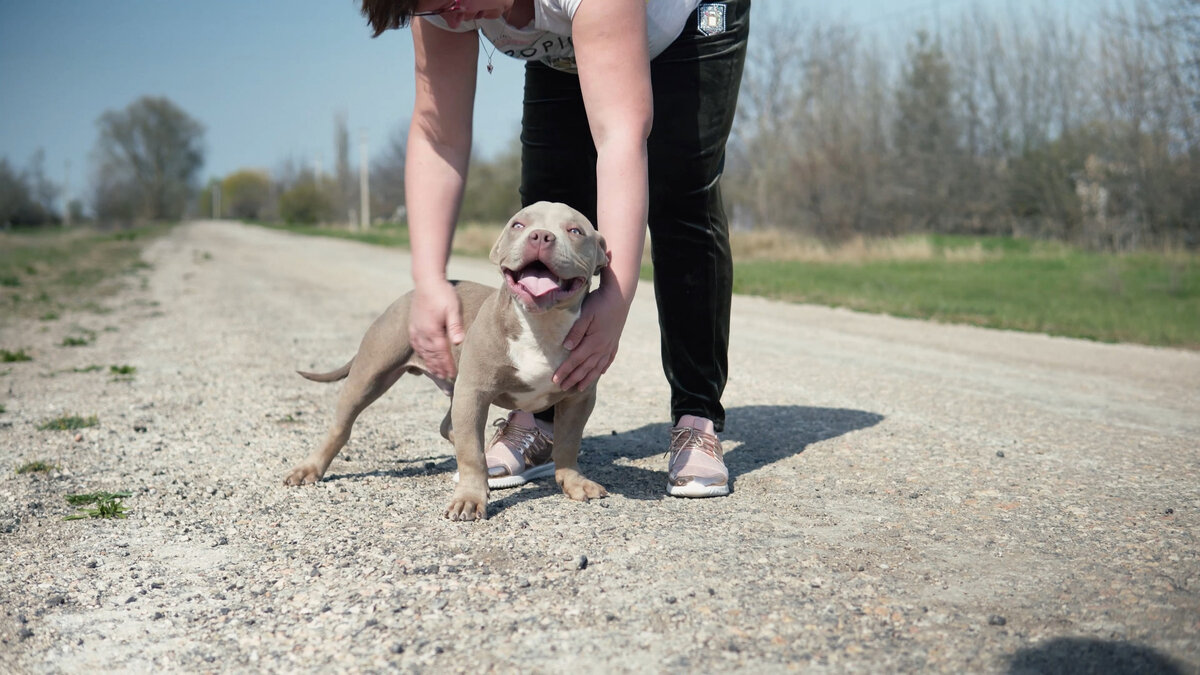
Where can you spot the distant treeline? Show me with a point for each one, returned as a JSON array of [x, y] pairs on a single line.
[[1047, 126], [1081, 129]]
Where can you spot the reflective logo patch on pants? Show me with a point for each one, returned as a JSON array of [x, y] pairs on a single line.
[[710, 18]]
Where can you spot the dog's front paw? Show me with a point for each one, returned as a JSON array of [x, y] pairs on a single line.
[[303, 474], [578, 487], [467, 504]]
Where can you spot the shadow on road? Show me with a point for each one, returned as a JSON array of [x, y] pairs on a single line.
[[767, 434], [1083, 655]]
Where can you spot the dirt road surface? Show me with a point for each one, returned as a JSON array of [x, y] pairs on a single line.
[[908, 496]]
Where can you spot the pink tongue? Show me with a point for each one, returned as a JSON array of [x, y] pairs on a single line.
[[538, 281]]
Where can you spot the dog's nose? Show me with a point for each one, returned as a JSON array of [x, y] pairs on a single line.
[[541, 237]]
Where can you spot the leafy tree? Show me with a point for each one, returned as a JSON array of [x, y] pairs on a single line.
[[146, 161], [26, 197], [246, 194], [309, 200]]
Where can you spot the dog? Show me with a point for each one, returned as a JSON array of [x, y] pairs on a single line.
[[547, 254]]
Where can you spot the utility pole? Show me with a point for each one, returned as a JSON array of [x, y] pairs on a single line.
[[67, 195], [364, 184], [216, 204]]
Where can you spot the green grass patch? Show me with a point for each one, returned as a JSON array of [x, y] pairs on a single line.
[[386, 234], [106, 505], [68, 423], [37, 466], [46, 271], [7, 356], [1146, 298], [122, 370], [77, 341]]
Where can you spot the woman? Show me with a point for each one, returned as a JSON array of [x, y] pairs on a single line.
[[597, 74]]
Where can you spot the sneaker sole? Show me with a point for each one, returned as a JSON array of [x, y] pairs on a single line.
[[536, 472], [697, 490]]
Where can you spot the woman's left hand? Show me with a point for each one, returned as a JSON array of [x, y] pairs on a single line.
[[593, 340]]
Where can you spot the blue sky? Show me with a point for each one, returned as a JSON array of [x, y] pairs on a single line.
[[267, 77]]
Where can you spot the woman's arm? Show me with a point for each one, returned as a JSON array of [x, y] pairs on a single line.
[[435, 171], [614, 74]]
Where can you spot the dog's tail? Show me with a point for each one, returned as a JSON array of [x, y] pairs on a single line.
[[331, 376]]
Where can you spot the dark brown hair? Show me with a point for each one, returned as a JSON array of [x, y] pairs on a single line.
[[385, 14]]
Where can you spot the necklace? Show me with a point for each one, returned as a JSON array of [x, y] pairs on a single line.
[[486, 52]]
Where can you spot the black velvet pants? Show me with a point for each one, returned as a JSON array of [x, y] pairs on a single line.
[[695, 84]]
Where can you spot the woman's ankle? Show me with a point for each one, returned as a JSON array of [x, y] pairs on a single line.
[[701, 424]]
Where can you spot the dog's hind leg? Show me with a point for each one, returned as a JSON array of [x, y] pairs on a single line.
[[361, 390]]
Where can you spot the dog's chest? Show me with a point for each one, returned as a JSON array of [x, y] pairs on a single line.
[[535, 353]]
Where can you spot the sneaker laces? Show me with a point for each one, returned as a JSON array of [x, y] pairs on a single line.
[[687, 438], [521, 439]]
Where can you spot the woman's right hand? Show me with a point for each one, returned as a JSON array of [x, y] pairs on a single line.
[[434, 323]]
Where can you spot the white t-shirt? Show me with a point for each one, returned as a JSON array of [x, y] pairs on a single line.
[[548, 37]]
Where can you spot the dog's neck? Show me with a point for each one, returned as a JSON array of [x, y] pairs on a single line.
[[551, 325]]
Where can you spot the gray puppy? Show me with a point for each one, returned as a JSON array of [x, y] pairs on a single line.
[[547, 254]]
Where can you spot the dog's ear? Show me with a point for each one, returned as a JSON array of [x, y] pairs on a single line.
[[603, 257]]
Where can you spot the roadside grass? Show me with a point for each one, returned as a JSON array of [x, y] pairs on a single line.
[[998, 282], [8, 356], [68, 423], [46, 271], [107, 505], [1147, 298], [36, 466]]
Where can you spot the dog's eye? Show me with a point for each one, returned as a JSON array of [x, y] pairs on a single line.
[[576, 230], [518, 226]]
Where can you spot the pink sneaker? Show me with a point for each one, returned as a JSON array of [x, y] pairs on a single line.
[[696, 467], [519, 452]]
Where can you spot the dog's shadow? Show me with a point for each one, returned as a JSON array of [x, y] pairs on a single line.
[[766, 434]]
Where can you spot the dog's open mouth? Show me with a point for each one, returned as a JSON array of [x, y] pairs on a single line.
[[536, 284]]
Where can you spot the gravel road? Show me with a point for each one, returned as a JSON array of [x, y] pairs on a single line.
[[908, 496]]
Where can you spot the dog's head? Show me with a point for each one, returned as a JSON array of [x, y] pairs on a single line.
[[548, 253]]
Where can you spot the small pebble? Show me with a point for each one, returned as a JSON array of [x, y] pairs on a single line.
[[1169, 511], [25, 634], [997, 620], [397, 648], [78, 437], [581, 562], [1000, 453]]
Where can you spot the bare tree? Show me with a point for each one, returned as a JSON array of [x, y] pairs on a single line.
[[346, 196], [146, 161], [387, 175]]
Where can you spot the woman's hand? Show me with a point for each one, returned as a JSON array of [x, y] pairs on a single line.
[[434, 323], [593, 340]]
